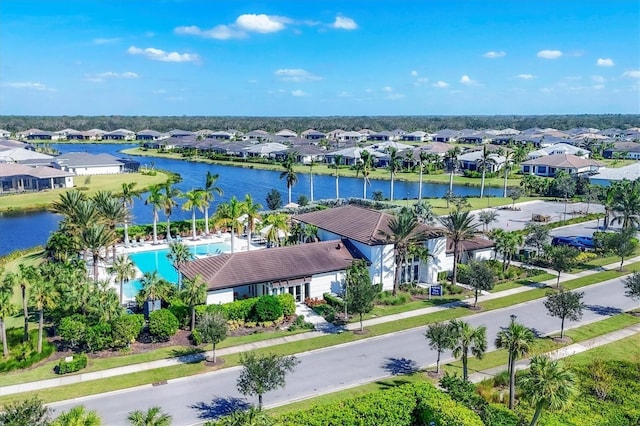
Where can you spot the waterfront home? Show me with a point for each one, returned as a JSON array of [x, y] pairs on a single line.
[[627, 150], [550, 165], [148, 135], [22, 155], [43, 135], [351, 156], [10, 143], [305, 154], [559, 148], [19, 178], [473, 161], [265, 149], [119, 135], [83, 164]]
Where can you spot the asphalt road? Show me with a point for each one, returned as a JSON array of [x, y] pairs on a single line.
[[196, 399]]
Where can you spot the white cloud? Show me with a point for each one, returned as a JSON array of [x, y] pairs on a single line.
[[414, 73], [105, 40], [219, 32], [420, 81], [631, 74], [549, 54], [100, 77], [261, 23], [160, 55], [28, 85], [492, 55], [441, 84], [605, 62], [525, 76], [343, 23], [465, 79], [296, 75], [299, 93], [247, 23]]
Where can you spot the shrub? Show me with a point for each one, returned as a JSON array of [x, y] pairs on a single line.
[[288, 304], [73, 330], [499, 415], [240, 309], [463, 273], [300, 324], [387, 298], [125, 329], [196, 337], [162, 324], [333, 301], [24, 354], [98, 337], [77, 363], [268, 308], [181, 311], [313, 302]]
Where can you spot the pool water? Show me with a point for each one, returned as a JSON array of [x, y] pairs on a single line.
[[156, 260]]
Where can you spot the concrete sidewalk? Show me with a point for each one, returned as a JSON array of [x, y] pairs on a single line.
[[134, 368], [560, 353]]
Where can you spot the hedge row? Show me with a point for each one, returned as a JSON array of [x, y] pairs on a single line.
[[406, 405], [333, 301], [118, 333], [256, 309], [77, 363]]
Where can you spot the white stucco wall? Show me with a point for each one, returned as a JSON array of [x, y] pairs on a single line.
[[429, 270], [330, 282], [68, 182], [104, 170], [220, 296]]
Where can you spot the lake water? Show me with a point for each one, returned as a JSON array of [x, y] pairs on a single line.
[[28, 230]]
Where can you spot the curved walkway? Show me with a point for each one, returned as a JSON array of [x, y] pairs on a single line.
[[133, 368]]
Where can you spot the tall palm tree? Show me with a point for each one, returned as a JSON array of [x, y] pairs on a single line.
[[423, 161], [104, 304], [78, 416], [95, 237], [464, 339], [482, 163], [111, 212], [153, 287], [364, 165], [7, 309], [124, 270], [252, 210], [289, 173], [547, 385], [451, 158], [67, 204], [507, 243], [196, 199], [394, 167], [210, 189], [194, 292], [337, 160], [26, 276], [43, 295], [228, 215], [517, 340], [179, 253], [127, 197], [508, 165], [152, 417], [168, 203], [403, 233], [486, 218], [155, 199], [626, 204], [458, 227]]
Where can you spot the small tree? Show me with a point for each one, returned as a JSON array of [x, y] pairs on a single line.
[[152, 417], [562, 259], [263, 373], [439, 337], [486, 218], [274, 199], [537, 236], [464, 339], [622, 244], [358, 290], [515, 194], [30, 412], [481, 278], [213, 328], [632, 284], [565, 305]]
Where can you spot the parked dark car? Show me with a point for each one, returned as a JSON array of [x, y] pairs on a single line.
[[581, 243]]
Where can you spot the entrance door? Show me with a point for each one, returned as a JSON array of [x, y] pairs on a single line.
[[298, 295]]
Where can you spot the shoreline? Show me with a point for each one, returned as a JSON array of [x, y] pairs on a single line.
[[344, 172]]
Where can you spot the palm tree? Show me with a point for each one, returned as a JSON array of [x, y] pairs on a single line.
[[179, 253], [67, 205], [486, 218], [403, 233], [459, 227], [155, 199], [517, 340], [78, 416], [547, 385], [451, 158], [423, 159], [196, 199], [127, 197], [364, 166], [152, 417], [124, 270], [228, 215], [394, 166], [252, 210], [251, 417], [508, 164], [507, 243], [111, 212], [104, 304], [43, 295], [337, 160], [276, 225], [95, 237], [482, 164], [153, 287], [626, 204], [210, 189], [439, 339], [465, 338], [289, 173], [7, 309], [168, 203], [194, 292]]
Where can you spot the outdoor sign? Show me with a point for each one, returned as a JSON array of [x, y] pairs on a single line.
[[435, 290]]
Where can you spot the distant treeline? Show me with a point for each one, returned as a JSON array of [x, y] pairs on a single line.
[[14, 123]]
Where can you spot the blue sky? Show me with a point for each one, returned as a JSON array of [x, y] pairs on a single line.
[[317, 58]]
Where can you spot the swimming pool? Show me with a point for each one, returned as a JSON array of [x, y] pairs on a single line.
[[156, 260]]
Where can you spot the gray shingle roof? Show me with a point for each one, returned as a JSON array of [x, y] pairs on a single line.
[[80, 159]]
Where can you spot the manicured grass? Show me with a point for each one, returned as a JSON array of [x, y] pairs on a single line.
[[42, 200], [600, 276], [621, 350], [524, 281]]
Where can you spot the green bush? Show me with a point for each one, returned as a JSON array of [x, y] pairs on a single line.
[[387, 298], [125, 329], [162, 324], [240, 310], [73, 330], [98, 337], [24, 354], [76, 364], [333, 301], [288, 304], [300, 324], [268, 308], [181, 311], [196, 337], [499, 415]]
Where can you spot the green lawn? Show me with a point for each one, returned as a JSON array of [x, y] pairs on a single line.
[[524, 281], [42, 200]]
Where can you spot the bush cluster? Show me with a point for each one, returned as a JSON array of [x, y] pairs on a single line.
[[300, 324], [268, 308], [405, 405], [24, 354], [119, 333], [163, 324], [333, 301], [387, 298], [76, 364], [263, 310]]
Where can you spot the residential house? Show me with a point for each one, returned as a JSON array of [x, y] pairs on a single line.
[[265, 149], [257, 136], [446, 136], [43, 135], [148, 135], [417, 136], [313, 135], [351, 156], [286, 133], [473, 160], [177, 133], [19, 178], [351, 136], [82, 164], [305, 154], [559, 148], [119, 135], [550, 165], [627, 150], [5, 134], [22, 155], [384, 136], [220, 136]]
